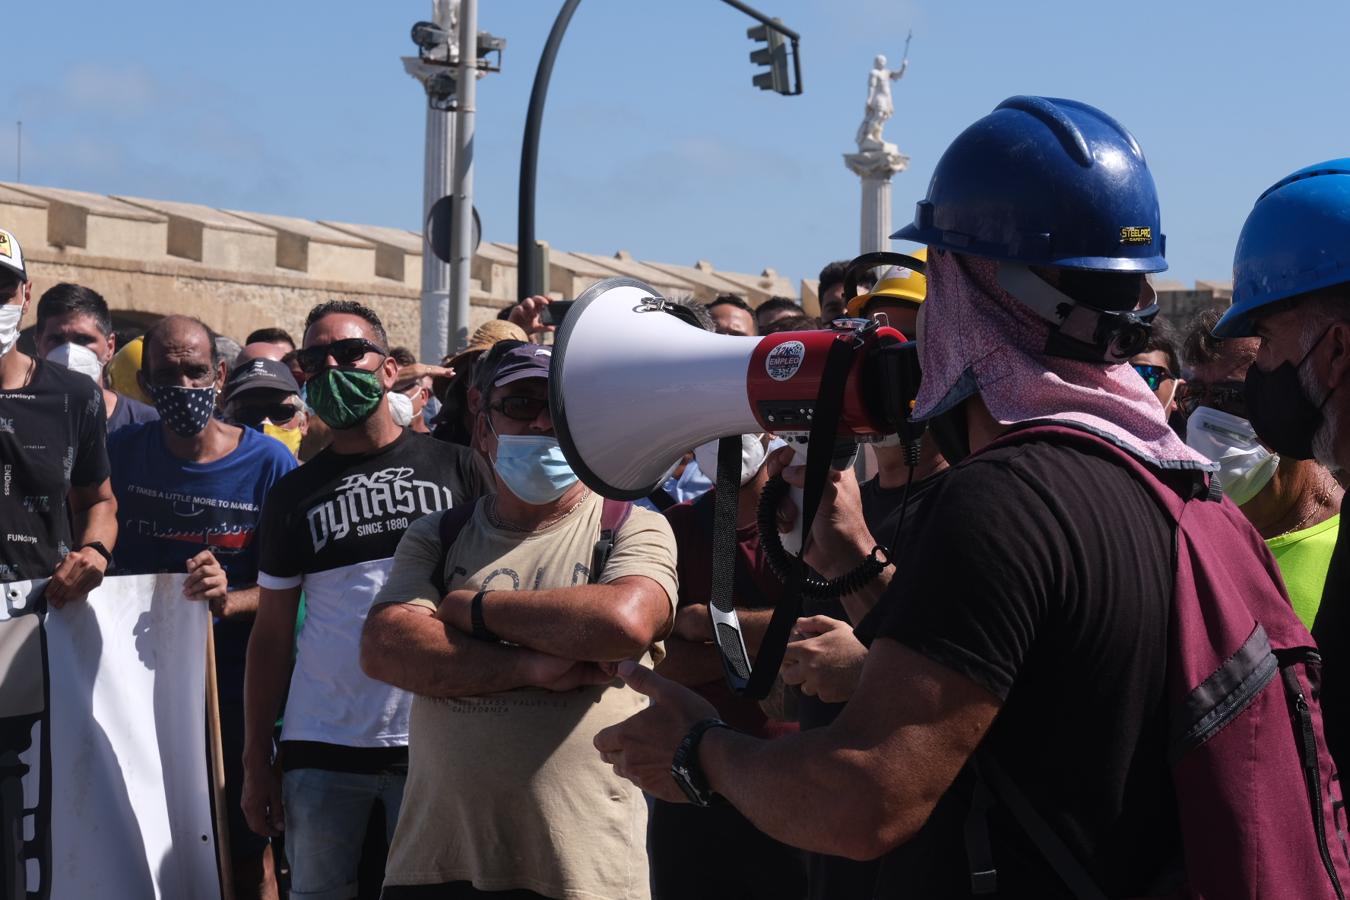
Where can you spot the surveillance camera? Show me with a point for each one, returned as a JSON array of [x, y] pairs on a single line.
[[428, 35]]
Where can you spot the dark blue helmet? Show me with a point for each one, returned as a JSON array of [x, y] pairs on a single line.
[[1044, 182], [1295, 240]]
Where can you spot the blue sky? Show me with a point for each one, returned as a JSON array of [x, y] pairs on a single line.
[[654, 140]]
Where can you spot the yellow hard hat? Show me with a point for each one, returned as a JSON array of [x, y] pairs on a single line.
[[123, 368], [898, 283]]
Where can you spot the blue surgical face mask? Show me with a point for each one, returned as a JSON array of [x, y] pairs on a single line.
[[533, 467]]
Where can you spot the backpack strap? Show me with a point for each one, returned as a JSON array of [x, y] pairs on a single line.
[[451, 524], [1164, 492], [613, 515]]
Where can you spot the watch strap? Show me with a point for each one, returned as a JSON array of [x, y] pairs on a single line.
[[685, 768], [480, 629], [97, 547]]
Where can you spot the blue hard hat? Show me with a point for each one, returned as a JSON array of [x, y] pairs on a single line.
[[1044, 182], [1296, 239]]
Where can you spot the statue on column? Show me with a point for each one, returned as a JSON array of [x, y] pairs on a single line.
[[879, 105]]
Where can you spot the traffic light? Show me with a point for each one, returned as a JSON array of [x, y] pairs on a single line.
[[773, 54]]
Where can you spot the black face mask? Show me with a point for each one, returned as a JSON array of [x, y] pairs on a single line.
[[1279, 409], [951, 434]]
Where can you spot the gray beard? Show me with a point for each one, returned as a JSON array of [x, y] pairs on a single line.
[[1324, 439]]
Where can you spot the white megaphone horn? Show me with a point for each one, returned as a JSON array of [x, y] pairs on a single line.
[[633, 386]]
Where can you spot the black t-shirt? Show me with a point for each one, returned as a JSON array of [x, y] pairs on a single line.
[[881, 510], [1044, 574], [1332, 631], [331, 527], [52, 438], [340, 510]]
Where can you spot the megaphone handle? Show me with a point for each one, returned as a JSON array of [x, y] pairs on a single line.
[[792, 539]]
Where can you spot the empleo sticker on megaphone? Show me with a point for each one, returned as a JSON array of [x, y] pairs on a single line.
[[784, 360]]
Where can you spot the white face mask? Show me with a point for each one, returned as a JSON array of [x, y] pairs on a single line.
[[400, 408], [753, 454], [78, 358], [1245, 467], [10, 314]]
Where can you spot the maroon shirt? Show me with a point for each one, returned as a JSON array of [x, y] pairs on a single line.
[[692, 524]]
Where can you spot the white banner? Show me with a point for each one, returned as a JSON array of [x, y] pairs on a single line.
[[130, 813]]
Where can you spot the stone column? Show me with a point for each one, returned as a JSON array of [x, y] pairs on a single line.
[[876, 166]]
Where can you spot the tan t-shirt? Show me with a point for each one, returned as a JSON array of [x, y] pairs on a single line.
[[507, 790]]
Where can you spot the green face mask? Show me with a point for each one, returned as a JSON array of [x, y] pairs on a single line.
[[344, 398]]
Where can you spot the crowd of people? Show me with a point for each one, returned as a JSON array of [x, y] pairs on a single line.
[[447, 669]]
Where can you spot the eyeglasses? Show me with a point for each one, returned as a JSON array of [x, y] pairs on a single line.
[[346, 352], [253, 416], [521, 408], [1154, 375], [1225, 396]]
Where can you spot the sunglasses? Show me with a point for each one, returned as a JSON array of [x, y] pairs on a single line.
[[1225, 396], [346, 352], [253, 416], [522, 409], [1153, 375]]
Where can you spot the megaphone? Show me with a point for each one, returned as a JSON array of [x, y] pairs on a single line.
[[633, 386]]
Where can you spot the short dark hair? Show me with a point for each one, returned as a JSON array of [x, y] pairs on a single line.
[[156, 333], [402, 355], [349, 308], [773, 304], [834, 274], [65, 298], [1162, 338], [1201, 347], [270, 336], [730, 300], [792, 323]]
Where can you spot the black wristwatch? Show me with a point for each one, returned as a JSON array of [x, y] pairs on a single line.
[[97, 547], [686, 771]]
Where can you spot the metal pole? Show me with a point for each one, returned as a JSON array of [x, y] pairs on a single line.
[[461, 229], [531, 279], [437, 339]]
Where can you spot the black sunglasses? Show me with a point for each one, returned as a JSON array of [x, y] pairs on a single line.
[[253, 416], [1154, 375], [346, 352], [1225, 396], [522, 409]]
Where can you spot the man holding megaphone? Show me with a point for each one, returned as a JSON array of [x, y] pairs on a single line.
[[503, 619], [1033, 619]]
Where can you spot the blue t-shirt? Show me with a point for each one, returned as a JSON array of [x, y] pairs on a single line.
[[129, 411], [170, 509]]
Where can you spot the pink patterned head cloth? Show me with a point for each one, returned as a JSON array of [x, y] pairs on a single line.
[[978, 339]]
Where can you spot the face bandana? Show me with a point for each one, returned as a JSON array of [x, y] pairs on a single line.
[[186, 410], [10, 314], [753, 454], [344, 398], [1281, 412], [533, 467], [78, 358], [1245, 467]]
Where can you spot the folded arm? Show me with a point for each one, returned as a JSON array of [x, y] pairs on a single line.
[[596, 622]]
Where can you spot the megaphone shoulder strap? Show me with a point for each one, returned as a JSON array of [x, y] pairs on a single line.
[[754, 682]]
